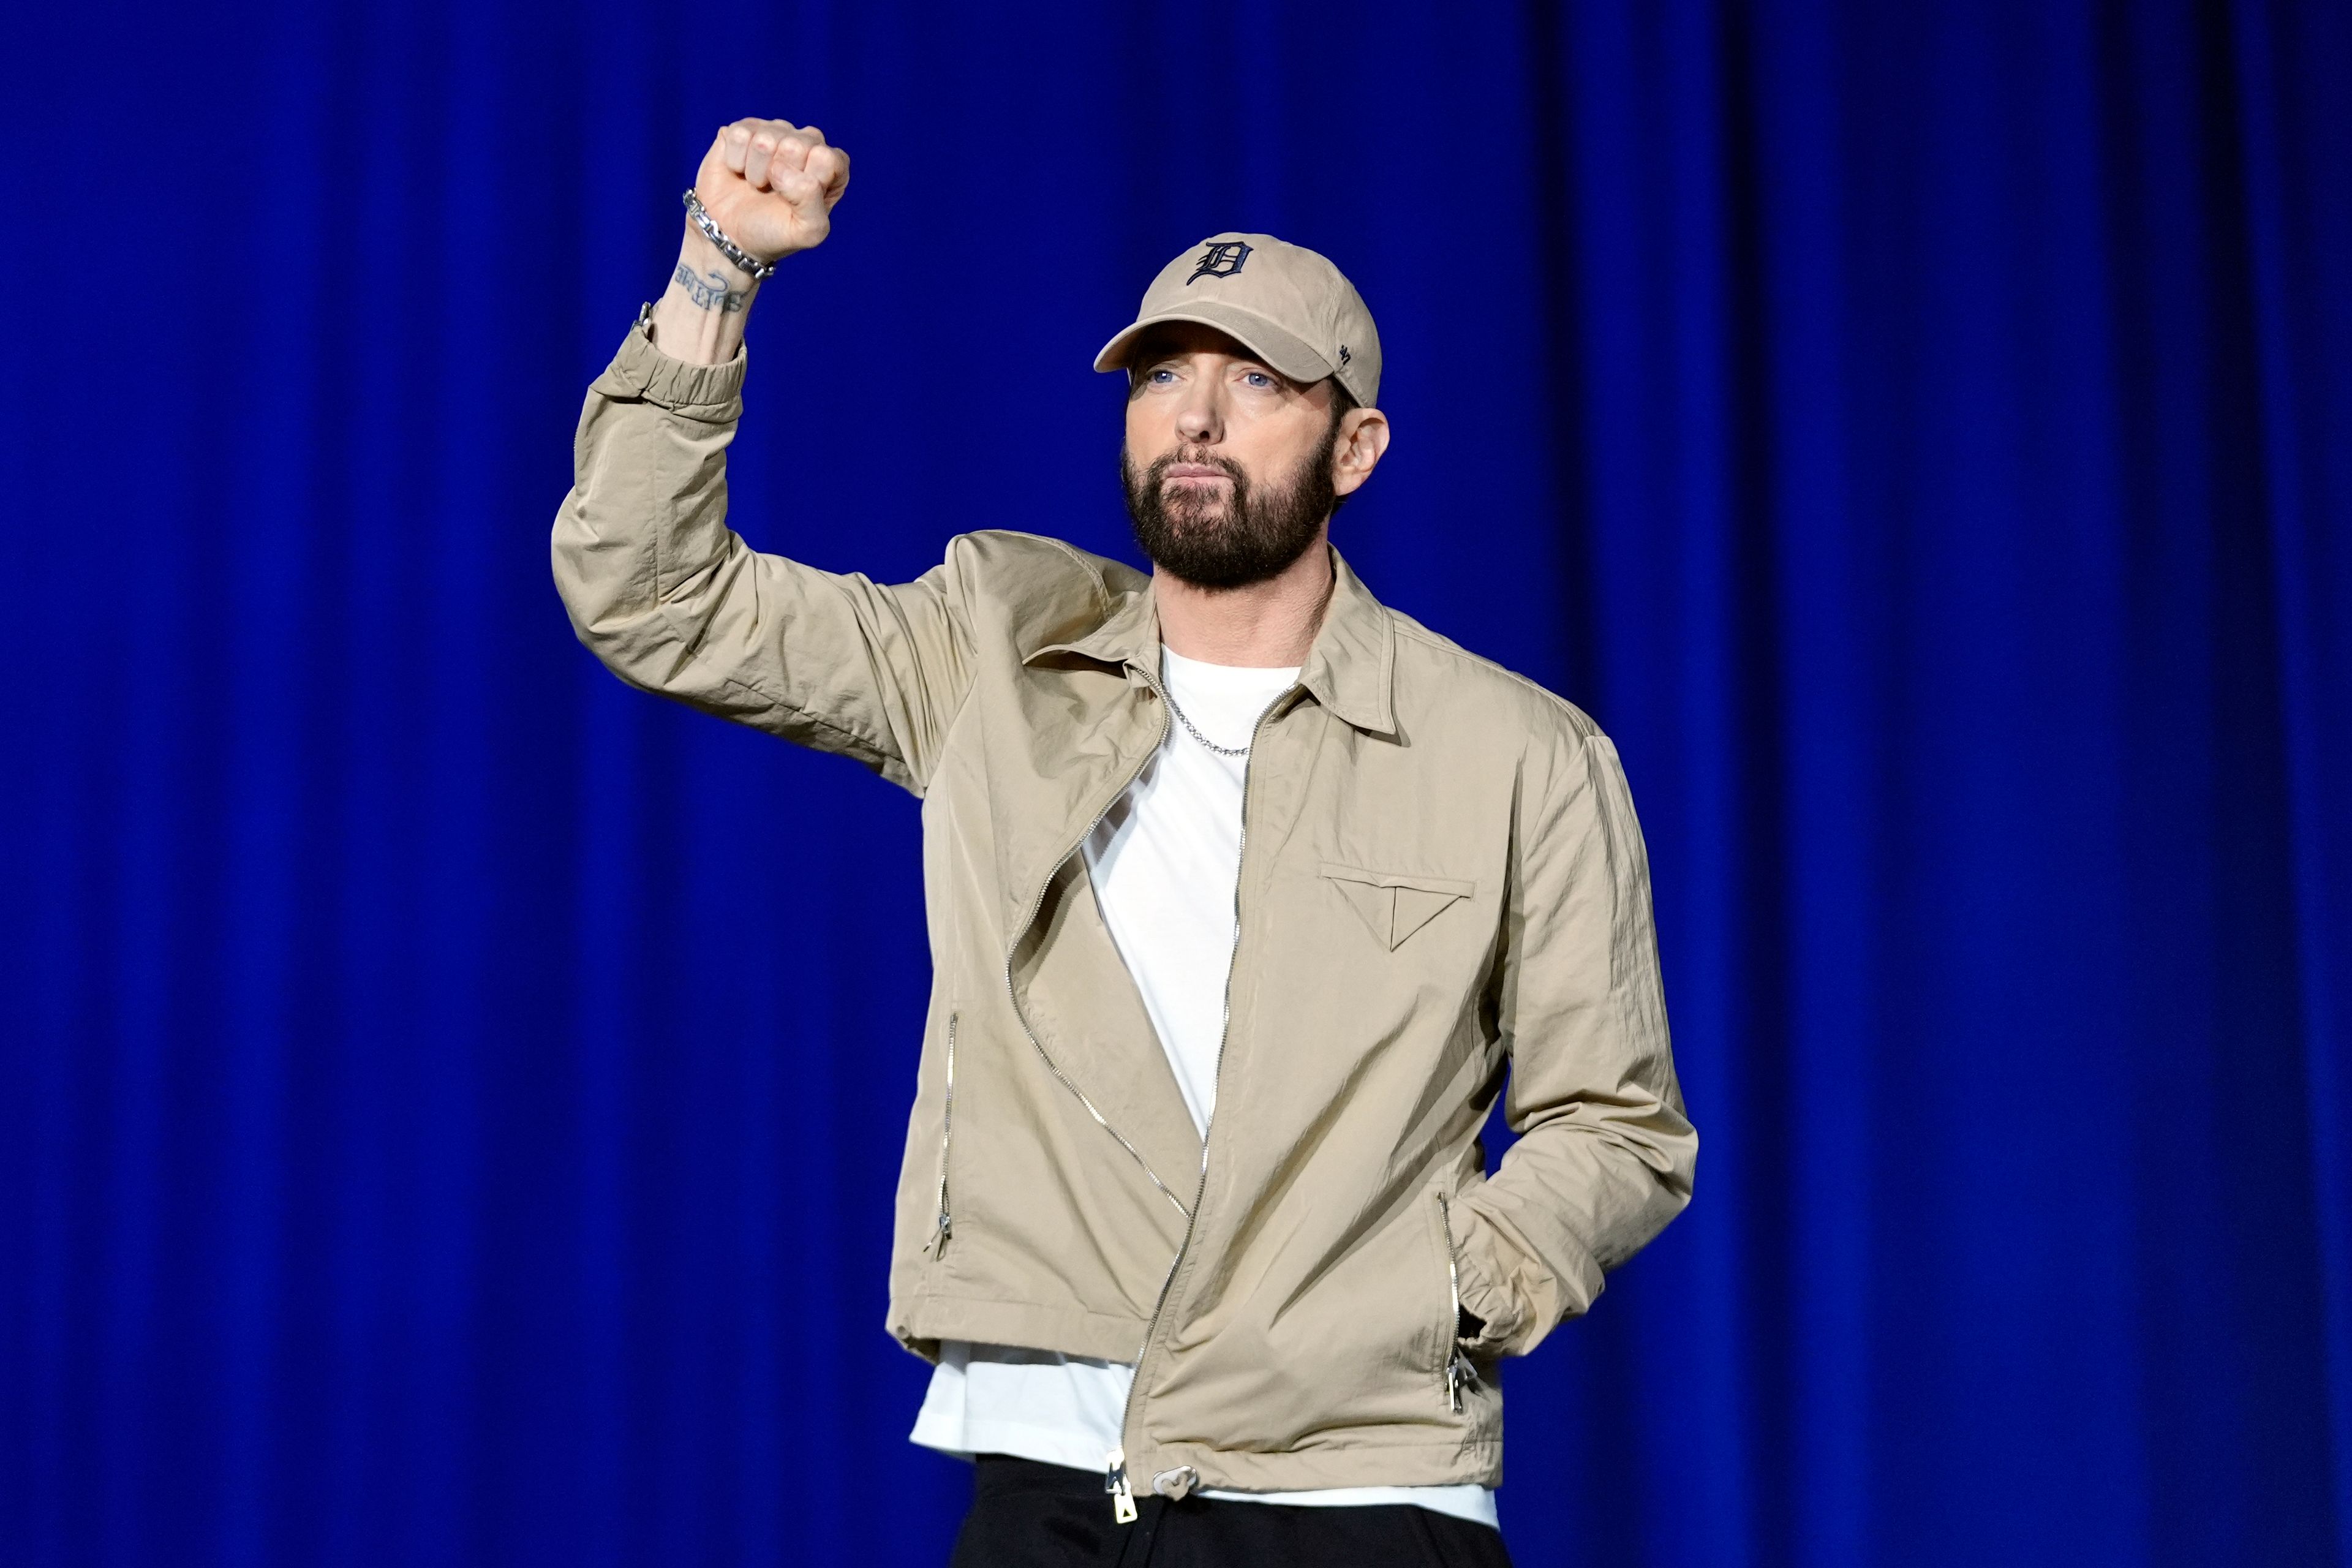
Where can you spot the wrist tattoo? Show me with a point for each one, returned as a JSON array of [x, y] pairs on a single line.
[[710, 291]]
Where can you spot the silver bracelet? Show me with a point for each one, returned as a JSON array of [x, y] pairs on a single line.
[[743, 260]]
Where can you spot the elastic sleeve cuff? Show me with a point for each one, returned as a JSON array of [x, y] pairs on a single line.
[[643, 373], [1501, 1315]]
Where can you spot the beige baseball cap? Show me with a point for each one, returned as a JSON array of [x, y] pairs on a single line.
[[1283, 302]]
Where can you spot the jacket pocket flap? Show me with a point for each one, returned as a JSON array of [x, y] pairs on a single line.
[[1394, 904]]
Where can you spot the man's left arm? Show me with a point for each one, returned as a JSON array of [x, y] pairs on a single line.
[[1604, 1154]]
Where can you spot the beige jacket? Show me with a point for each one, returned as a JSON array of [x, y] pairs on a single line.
[[1441, 878]]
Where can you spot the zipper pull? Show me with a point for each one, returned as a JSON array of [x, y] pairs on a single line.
[[1460, 1374], [940, 1232], [1122, 1500]]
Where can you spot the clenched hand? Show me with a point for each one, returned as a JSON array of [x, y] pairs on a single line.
[[770, 186]]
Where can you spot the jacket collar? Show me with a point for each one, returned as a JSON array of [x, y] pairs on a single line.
[[1349, 669], [1352, 665]]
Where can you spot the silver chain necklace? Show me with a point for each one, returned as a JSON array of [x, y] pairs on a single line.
[[1188, 730]]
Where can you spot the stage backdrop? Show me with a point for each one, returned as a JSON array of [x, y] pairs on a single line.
[[1919, 433]]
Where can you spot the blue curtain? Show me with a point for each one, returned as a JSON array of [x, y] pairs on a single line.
[[450, 1103]]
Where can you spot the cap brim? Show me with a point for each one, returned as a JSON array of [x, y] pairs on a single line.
[[1278, 346]]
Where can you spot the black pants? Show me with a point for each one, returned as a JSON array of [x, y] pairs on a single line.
[[1025, 1514]]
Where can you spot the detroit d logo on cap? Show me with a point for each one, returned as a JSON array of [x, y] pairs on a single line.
[[1221, 259]]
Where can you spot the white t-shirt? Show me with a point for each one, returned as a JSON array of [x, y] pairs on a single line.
[[1165, 862]]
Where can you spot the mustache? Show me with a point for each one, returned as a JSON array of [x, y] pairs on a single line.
[[1157, 473]]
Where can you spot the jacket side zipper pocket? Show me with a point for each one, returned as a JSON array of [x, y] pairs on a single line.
[[944, 1226], [1459, 1373]]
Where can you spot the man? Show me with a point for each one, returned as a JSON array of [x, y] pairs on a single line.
[[1244, 893]]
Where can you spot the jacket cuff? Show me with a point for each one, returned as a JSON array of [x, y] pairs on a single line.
[[642, 372], [1484, 1298]]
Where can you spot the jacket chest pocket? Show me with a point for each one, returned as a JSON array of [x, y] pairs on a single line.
[[1395, 905]]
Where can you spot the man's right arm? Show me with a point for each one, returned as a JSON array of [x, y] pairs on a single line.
[[669, 596]]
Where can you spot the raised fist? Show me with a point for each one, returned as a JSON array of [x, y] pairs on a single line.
[[770, 186]]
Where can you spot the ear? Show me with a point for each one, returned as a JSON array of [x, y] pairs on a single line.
[[1363, 437]]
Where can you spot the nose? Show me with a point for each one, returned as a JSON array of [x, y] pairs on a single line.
[[1201, 419]]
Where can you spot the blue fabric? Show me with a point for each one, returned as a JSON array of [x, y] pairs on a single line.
[[450, 1103]]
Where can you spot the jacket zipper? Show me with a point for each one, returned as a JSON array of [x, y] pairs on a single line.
[[1459, 1373], [1013, 996], [1115, 1481], [946, 1224]]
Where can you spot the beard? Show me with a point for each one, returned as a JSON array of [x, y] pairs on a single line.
[[1214, 542]]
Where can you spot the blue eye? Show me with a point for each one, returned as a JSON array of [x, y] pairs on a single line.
[[1259, 378], [1160, 377]]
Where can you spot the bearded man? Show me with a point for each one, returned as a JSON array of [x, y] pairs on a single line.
[[1248, 896]]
